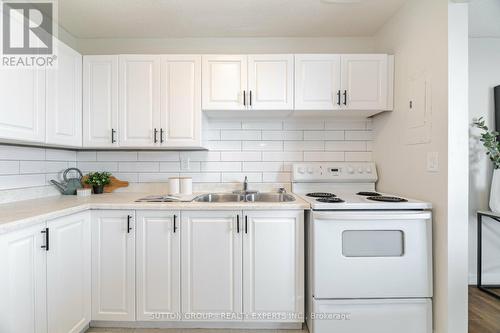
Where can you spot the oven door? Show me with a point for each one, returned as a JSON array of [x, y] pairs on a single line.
[[365, 254]]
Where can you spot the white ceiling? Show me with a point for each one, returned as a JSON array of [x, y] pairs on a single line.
[[223, 18], [484, 18]]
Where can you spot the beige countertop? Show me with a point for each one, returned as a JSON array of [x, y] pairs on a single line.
[[21, 214]]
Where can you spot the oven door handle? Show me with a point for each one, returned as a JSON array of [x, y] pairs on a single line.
[[360, 215]]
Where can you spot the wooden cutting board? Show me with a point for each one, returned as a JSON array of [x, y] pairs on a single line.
[[114, 184]]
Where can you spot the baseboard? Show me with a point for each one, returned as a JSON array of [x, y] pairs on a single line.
[[487, 278], [83, 330], [194, 324]]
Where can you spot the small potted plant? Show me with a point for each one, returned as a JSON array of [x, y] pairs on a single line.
[[98, 180], [490, 142]]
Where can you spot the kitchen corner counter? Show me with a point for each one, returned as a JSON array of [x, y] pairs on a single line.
[[21, 214]]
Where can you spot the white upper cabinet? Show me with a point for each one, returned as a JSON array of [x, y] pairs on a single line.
[[241, 82], [64, 99], [211, 262], [273, 263], [270, 82], [158, 265], [317, 82], [139, 101], [224, 82], [23, 281], [100, 101], [358, 82], [68, 274], [22, 112], [143, 101], [180, 101], [113, 265], [365, 81]]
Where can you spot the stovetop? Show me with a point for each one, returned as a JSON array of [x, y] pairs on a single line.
[[349, 200], [346, 186]]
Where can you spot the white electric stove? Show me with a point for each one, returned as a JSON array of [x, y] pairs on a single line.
[[369, 257]]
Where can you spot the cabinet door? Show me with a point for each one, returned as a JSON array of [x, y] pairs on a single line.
[[139, 106], [64, 99], [22, 92], [68, 274], [317, 82], [158, 265], [224, 81], [211, 263], [23, 281], [364, 81], [273, 263], [270, 82], [100, 101], [181, 101], [113, 265]]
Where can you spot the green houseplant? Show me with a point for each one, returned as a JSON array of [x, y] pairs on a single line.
[[489, 139], [98, 180]]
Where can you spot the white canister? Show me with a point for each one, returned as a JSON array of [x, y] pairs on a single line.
[[174, 185], [84, 192], [186, 185]]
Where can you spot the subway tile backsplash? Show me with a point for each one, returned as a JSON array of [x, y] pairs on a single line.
[[25, 167], [262, 150]]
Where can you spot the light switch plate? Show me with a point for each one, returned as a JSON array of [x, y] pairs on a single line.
[[433, 161]]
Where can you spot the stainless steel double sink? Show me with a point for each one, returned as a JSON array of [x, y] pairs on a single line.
[[245, 197]]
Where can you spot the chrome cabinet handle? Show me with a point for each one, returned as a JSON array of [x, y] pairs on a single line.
[[155, 140], [250, 97], [244, 98], [161, 135], [175, 224], [113, 131], [345, 97], [338, 98]]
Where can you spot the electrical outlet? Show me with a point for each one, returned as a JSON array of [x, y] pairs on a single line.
[[185, 164], [433, 161]]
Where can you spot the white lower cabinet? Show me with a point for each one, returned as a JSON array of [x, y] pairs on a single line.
[[273, 265], [113, 265], [249, 263], [152, 265], [211, 264], [45, 279], [23, 281], [158, 265], [68, 274]]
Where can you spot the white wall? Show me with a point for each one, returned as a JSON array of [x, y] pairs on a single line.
[[458, 168], [484, 57], [227, 45], [418, 36]]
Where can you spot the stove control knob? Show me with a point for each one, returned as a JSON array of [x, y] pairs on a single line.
[[360, 170], [368, 170], [310, 170], [301, 170], [350, 169]]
